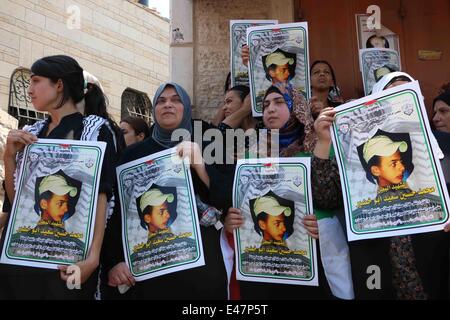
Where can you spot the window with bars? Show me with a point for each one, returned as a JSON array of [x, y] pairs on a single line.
[[20, 105], [136, 104]]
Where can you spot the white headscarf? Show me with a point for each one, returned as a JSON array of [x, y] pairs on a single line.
[[387, 79], [390, 78]]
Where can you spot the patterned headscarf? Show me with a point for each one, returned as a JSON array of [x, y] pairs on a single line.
[[297, 135]]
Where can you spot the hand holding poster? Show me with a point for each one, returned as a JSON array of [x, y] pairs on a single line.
[[278, 56], [391, 178], [375, 63], [238, 38], [53, 214], [160, 227], [272, 245]]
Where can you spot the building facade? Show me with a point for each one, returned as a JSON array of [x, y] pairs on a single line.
[[123, 43], [201, 59]]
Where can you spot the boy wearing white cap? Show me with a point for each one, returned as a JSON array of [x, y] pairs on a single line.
[[56, 196], [279, 66], [384, 159], [273, 217], [157, 209]]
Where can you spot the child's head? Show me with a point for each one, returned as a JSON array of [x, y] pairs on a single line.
[[157, 217], [377, 42], [386, 161], [273, 217], [279, 66], [56, 197], [157, 208]]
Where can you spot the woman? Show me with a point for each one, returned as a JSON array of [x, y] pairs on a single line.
[[219, 116], [297, 138], [413, 267], [96, 103], [324, 91], [172, 110], [441, 108], [56, 86], [236, 115], [234, 109], [134, 129]]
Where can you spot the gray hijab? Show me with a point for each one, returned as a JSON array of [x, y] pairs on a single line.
[[163, 136]]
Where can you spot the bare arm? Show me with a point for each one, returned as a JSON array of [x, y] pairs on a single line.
[[99, 229], [234, 120], [10, 168], [16, 141], [191, 150], [322, 127], [325, 180], [218, 117], [88, 266]]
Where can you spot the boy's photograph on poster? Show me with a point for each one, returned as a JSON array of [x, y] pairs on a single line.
[[278, 57], [375, 63], [273, 245], [238, 39], [159, 214], [391, 176], [54, 209]]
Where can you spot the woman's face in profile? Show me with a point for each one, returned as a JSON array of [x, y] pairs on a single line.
[[128, 133], [158, 217], [232, 102], [441, 118]]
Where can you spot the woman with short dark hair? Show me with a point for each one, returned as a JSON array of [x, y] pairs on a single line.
[[57, 85], [134, 129]]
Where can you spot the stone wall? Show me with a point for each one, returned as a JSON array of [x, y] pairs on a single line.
[[124, 44], [212, 43]]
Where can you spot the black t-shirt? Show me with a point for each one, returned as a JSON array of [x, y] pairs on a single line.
[[71, 127]]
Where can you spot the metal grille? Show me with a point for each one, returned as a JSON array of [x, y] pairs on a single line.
[[136, 104], [20, 105]]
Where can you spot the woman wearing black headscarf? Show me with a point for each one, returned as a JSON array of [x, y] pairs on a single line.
[[56, 86], [172, 110]]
